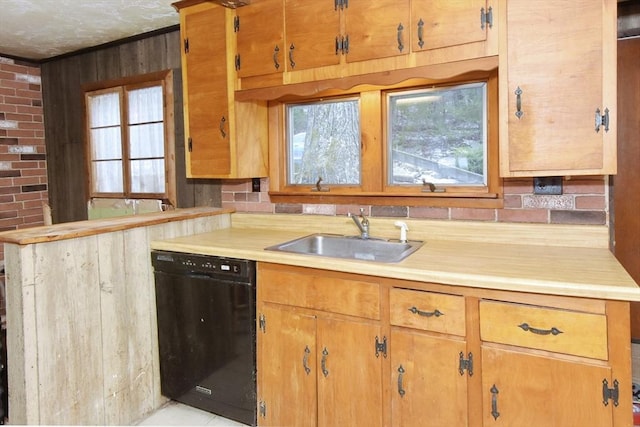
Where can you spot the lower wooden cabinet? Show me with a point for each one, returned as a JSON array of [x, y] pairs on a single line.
[[315, 367], [346, 349], [427, 386], [524, 390]]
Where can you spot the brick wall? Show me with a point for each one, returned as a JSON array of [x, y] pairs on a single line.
[[23, 171], [584, 201]]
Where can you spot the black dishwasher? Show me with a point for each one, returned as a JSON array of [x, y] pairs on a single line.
[[206, 332]]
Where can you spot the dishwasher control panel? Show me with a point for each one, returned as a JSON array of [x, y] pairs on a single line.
[[177, 262]]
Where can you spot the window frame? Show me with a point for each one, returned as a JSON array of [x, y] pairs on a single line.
[[122, 86], [374, 188]]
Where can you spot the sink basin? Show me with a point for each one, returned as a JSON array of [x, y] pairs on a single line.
[[350, 247]]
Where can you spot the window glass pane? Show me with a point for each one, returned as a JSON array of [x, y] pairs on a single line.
[[108, 177], [106, 143], [438, 136], [104, 110], [145, 105], [146, 140], [323, 140], [147, 176]]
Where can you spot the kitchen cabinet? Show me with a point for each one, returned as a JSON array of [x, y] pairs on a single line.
[[445, 23], [521, 390], [317, 348], [374, 30], [312, 30], [429, 371], [558, 88], [219, 143], [446, 355], [532, 380], [301, 35], [259, 28]]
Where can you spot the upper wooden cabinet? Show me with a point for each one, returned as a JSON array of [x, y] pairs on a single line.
[[218, 144], [312, 30], [444, 23], [290, 35], [375, 29], [259, 28], [337, 38], [558, 88]]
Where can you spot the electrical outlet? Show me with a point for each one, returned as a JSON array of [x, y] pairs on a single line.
[[548, 185], [255, 185]]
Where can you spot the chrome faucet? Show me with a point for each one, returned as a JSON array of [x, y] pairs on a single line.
[[362, 223]]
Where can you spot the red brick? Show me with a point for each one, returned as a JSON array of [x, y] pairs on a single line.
[[473, 214], [428, 212], [590, 202], [595, 185], [523, 215]]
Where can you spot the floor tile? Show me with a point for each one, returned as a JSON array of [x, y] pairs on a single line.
[[177, 414]]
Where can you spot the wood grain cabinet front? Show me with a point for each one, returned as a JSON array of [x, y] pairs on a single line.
[[316, 366], [429, 371], [558, 88], [348, 349], [224, 138], [547, 366]]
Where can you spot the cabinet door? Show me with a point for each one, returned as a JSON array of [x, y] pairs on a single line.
[[204, 56], [427, 388], [443, 23], [350, 374], [377, 29], [557, 69], [286, 368], [311, 31], [523, 390], [260, 38]]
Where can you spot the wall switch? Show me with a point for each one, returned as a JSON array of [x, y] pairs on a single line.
[[548, 185]]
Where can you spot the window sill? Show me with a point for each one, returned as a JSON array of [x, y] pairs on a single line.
[[453, 200]]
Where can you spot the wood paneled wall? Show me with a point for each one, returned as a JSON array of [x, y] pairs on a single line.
[[62, 81]]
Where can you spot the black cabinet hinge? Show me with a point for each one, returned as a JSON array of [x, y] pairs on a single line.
[[237, 62], [262, 321], [610, 393], [381, 347], [190, 145], [486, 18], [186, 45], [236, 24], [466, 364]]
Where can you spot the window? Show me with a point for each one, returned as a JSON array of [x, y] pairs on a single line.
[[324, 142], [438, 135], [413, 143], [130, 139]]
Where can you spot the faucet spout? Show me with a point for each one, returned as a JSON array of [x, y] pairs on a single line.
[[362, 223]]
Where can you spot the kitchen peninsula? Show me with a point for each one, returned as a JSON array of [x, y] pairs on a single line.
[[83, 344]]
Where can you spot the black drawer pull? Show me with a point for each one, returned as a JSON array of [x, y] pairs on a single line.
[[436, 312], [552, 331]]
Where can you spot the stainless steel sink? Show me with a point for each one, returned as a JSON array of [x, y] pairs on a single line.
[[350, 247]]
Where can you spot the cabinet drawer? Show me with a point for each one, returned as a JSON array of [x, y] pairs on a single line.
[[428, 311], [319, 290], [562, 331]]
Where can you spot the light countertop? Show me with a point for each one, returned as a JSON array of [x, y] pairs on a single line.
[[579, 271]]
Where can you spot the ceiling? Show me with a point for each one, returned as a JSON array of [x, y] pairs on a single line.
[[40, 29]]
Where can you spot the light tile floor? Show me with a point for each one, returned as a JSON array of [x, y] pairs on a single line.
[[177, 414]]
